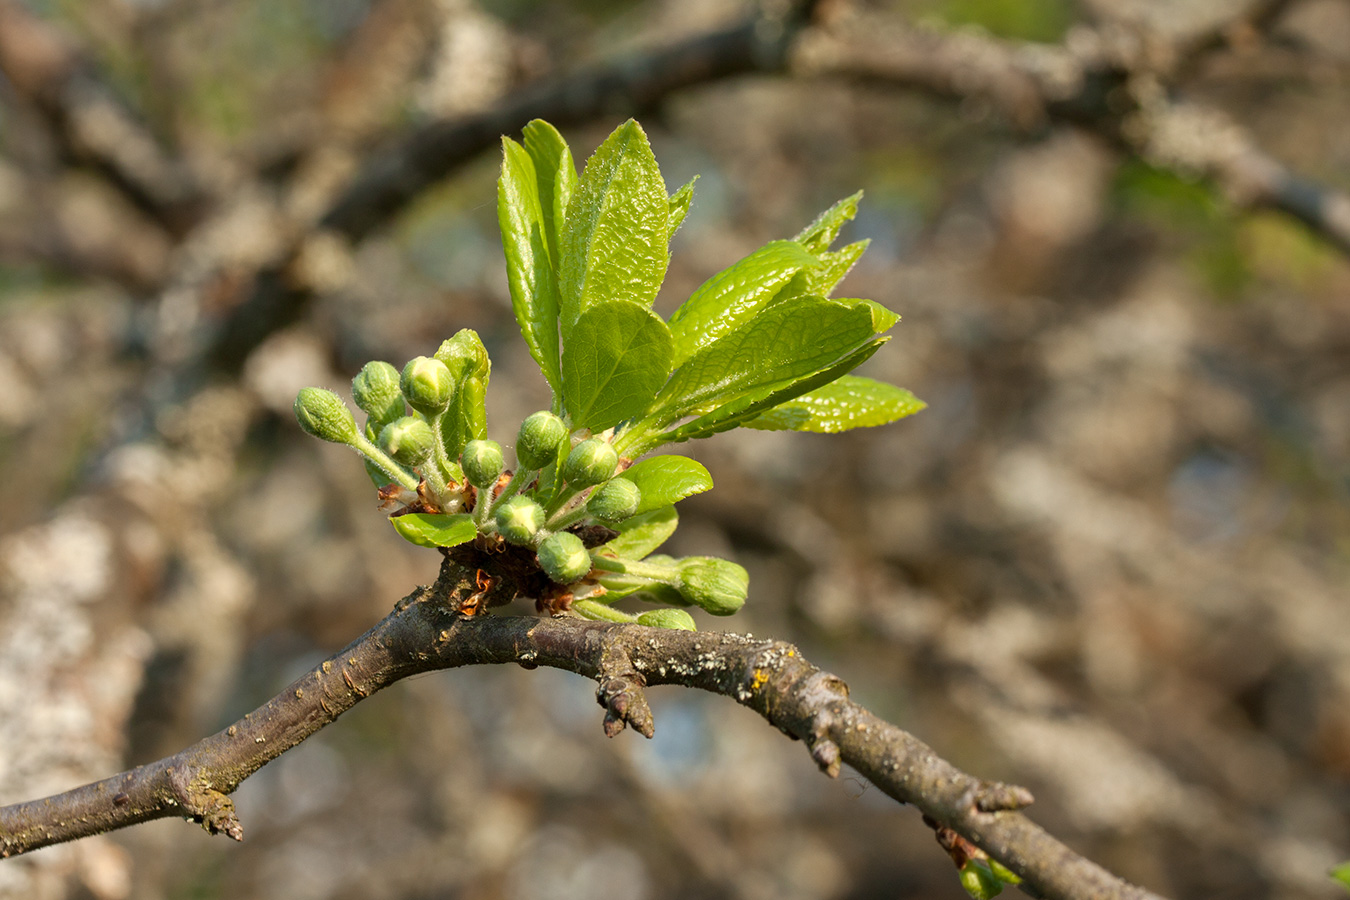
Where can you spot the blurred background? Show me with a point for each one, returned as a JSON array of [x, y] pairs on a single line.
[[1110, 561]]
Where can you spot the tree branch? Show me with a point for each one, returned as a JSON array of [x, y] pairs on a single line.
[[424, 634]]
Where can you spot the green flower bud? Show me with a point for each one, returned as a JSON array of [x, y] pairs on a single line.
[[408, 440], [323, 414], [979, 882], [668, 618], [593, 461], [427, 385], [563, 557], [376, 392], [717, 585], [615, 501], [519, 520], [465, 355], [483, 463], [538, 440]]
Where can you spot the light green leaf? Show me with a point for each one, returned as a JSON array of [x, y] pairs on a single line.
[[529, 269], [642, 534], [848, 402], [556, 175], [679, 204], [742, 409], [614, 241], [820, 234], [882, 318], [435, 529], [615, 359], [834, 265], [1341, 873], [735, 295], [665, 480], [785, 342], [466, 418]]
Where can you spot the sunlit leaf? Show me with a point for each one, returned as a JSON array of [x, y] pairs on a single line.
[[848, 402], [615, 359], [665, 480], [642, 534], [434, 529]]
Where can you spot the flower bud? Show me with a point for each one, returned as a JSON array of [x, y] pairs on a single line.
[[519, 520], [668, 618], [717, 585], [465, 356], [376, 392], [483, 463], [563, 557], [979, 882], [591, 462], [409, 440], [323, 414], [614, 501], [427, 385], [538, 440]]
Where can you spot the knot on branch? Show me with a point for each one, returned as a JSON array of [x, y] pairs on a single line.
[[625, 703], [210, 808], [995, 796]]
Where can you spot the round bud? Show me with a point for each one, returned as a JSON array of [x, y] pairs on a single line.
[[591, 462], [465, 355], [615, 501], [427, 385], [668, 618], [376, 392], [717, 585], [408, 440], [563, 557], [323, 414], [483, 463], [519, 520], [538, 440]]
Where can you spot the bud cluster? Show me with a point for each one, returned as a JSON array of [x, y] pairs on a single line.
[[425, 432]]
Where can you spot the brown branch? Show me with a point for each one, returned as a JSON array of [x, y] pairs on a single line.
[[423, 634], [1109, 81]]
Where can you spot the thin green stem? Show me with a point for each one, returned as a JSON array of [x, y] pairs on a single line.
[[590, 609], [655, 571], [385, 462]]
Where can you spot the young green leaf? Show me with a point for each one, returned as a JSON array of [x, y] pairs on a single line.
[[466, 419], [1341, 873], [664, 480], [834, 265], [615, 359], [529, 266], [848, 402], [556, 174], [435, 529], [733, 296], [679, 204], [614, 240], [787, 341], [642, 534], [820, 234]]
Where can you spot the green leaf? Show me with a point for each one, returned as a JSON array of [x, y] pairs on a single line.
[[615, 359], [848, 402], [1341, 873], [785, 342], [679, 204], [665, 480], [820, 234], [642, 534], [745, 408], [529, 267], [556, 175], [614, 240], [466, 418], [733, 296], [882, 318], [834, 266], [435, 529]]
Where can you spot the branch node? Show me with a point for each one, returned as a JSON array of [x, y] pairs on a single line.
[[996, 796], [826, 754], [625, 703]]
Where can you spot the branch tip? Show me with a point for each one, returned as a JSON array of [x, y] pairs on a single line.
[[625, 703]]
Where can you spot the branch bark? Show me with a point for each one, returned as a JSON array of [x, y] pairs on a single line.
[[424, 633]]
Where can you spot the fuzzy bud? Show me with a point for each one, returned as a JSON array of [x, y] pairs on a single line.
[[519, 520], [593, 461], [427, 385], [538, 440], [323, 414], [717, 585], [409, 440], [615, 501], [668, 618], [376, 392], [465, 356], [563, 557], [483, 463]]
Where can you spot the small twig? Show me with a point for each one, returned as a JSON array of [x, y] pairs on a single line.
[[423, 634]]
